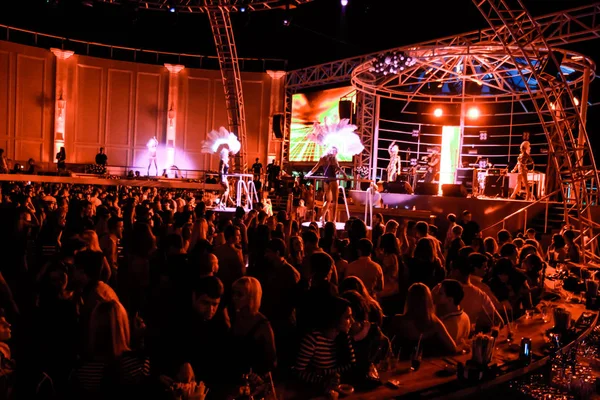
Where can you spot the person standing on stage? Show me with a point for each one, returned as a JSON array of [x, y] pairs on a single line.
[[273, 171], [257, 169], [524, 165], [152, 146], [3, 163], [433, 165], [223, 171], [394, 167], [101, 158], [331, 167], [61, 160]]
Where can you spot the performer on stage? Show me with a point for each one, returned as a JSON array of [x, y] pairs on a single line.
[[433, 165], [225, 143], [331, 167], [152, 146], [394, 167], [61, 160], [524, 165]]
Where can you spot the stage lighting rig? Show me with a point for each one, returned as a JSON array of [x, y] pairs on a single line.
[[391, 63]]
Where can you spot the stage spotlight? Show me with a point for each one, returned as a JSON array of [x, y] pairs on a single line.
[[242, 9], [576, 101], [438, 112], [171, 8], [344, 3], [286, 22], [473, 113]]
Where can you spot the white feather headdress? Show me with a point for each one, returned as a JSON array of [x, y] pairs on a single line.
[[340, 135], [219, 140]]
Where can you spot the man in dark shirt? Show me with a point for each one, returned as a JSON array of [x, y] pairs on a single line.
[[471, 228], [201, 335], [273, 171], [101, 158], [257, 169]]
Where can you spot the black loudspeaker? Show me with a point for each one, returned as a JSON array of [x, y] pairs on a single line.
[[278, 126], [454, 190], [345, 108], [401, 187], [425, 188], [496, 186]]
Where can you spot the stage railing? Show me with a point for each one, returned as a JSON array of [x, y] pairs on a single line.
[[524, 210]]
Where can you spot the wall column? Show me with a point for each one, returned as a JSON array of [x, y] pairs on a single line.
[[60, 101], [172, 104], [275, 148]]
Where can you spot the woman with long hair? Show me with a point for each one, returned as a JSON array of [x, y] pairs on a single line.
[[329, 235], [93, 243], [419, 323], [296, 252], [425, 266], [327, 350], [395, 274], [253, 342], [110, 367], [337, 250], [354, 283]]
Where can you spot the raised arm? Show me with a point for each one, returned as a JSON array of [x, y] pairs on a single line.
[[315, 168]]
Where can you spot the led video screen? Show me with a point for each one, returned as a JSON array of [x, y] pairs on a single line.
[[309, 108]]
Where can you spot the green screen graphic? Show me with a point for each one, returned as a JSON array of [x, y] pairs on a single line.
[[308, 108]]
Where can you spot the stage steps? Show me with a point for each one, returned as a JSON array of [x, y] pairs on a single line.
[[556, 219]]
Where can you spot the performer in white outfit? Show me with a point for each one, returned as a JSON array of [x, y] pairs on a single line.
[[224, 143], [394, 167], [152, 147]]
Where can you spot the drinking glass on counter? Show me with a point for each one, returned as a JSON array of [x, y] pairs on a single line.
[[415, 359]]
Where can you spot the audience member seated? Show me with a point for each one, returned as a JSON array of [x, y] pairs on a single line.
[[374, 312], [419, 323], [368, 271], [573, 249], [370, 344], [326, 352], [425, 267], [510, 286], [111, 369], [448, 309]]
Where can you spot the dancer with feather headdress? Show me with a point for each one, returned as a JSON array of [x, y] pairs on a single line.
[[225, 143], [338, 138]]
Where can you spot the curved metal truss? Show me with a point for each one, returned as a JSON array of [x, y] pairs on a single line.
[[559, 28], [202, 6], [558, 110], [482, 73]]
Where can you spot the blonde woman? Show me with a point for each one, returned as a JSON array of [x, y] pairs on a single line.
[[110, 367], [419, 321], [253, 342], [93, 243]]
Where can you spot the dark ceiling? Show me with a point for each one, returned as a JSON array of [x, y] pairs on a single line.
[[319, 31]]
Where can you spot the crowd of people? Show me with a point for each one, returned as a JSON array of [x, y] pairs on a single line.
[[125, 292]]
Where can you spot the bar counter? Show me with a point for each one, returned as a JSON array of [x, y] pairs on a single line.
[[437, 378], [428, 383]]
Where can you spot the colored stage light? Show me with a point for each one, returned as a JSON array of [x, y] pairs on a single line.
[[576, 101], [242, 9], [473, 113], [438, 112], [171, 8], [344, 3]]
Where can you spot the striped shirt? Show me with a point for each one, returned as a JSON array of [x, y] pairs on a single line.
[[129, 370], [320, 356]]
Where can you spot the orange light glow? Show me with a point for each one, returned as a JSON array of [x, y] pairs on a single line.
[[473, 113], [438, 112]]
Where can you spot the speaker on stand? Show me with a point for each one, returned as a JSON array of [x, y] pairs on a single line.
[[278, 125]]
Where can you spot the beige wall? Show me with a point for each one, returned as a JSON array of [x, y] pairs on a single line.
[[118, 105], [26, 101]]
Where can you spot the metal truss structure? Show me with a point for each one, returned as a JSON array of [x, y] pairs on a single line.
[[457, 74], [220, 23], [568, 26], [203, 6], [558, 110]]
